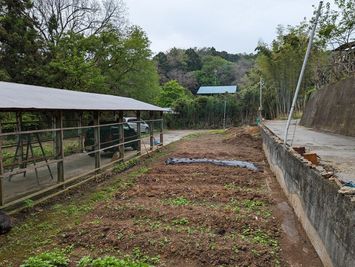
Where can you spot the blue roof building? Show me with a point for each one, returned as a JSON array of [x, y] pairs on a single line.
[[216, 90]]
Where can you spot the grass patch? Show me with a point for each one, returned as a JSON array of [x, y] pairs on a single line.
[[179, 201], [180, 221], [40, 229]]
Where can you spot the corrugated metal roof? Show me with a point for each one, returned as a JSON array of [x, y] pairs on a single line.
[[209, 90], [22, 96]]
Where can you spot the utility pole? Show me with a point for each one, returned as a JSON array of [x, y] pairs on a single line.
[[261, 101], [224, 113], [302, 72]]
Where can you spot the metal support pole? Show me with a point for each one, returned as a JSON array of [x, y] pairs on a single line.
[[302, 72], [121, 135], [224, 113], [97, 139], [151, 130], [1, 172], [139, 146], [161, 128], [59, 148]]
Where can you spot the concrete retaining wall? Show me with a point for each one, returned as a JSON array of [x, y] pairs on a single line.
[[327, 216], [332, 108]]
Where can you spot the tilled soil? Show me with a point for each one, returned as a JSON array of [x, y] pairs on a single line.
[[200, 214]]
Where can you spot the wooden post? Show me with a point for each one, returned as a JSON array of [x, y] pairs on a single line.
[[139, 135], [20, 139], [59, 145], [121, 135], [151, 130], [97, 139], [81, 132], [1, 173], [161, 128]]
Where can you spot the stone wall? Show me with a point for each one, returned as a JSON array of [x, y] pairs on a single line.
[[327, 216], [332, 108]]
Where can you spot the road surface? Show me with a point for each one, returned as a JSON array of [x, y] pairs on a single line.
[[334, 149]]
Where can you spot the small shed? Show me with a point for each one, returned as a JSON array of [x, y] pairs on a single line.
[[217, 90], [51, 138]]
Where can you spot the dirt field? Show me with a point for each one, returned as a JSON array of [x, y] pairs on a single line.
[[192, 215]]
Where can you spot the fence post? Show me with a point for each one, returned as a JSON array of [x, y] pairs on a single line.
[[151, 130], [59, 145], [81, 132], [161, 128], [121, 135], [97, 139], [20, 139], [139, 146], [1, 172]]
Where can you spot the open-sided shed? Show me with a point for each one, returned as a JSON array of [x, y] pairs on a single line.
[[41, 127]]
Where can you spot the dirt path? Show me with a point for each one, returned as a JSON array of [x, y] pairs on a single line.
[[198, 215]]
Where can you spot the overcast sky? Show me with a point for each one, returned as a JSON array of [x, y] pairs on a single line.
[[231, 25]]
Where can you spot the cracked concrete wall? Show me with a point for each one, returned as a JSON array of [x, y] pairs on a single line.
[[332, 108], [327, 216]]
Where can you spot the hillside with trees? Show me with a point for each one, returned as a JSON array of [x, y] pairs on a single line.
[[195, 67]]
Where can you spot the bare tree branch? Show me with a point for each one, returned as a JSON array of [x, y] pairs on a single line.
[[57, 17]]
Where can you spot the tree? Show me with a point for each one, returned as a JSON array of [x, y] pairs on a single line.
[[55, 18], [71, 68], [337, 26], [193, 60], [171, 92], [215, 71], [20, 47]]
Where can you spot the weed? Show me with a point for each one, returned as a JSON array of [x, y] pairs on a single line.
[[110, 262], [261, 237], [220, 131], [179, 201], [29, 203], [181, 221], [137, 255], [56, 258], [253, 204]]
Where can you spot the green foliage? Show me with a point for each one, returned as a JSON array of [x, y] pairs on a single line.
[[195, 67], [179, 201], [20, 54], [171, 92], [204, 112], [180, 221], [110, 60], [56, 258], [110, 262], [337, 24]]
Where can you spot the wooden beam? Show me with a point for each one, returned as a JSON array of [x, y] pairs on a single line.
[[161, 128], [151, 130], [121, 135], [139, 135], [59, 145], [97, 139], [1, 173]]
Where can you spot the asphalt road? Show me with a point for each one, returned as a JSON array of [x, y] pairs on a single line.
[[333, 149]]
